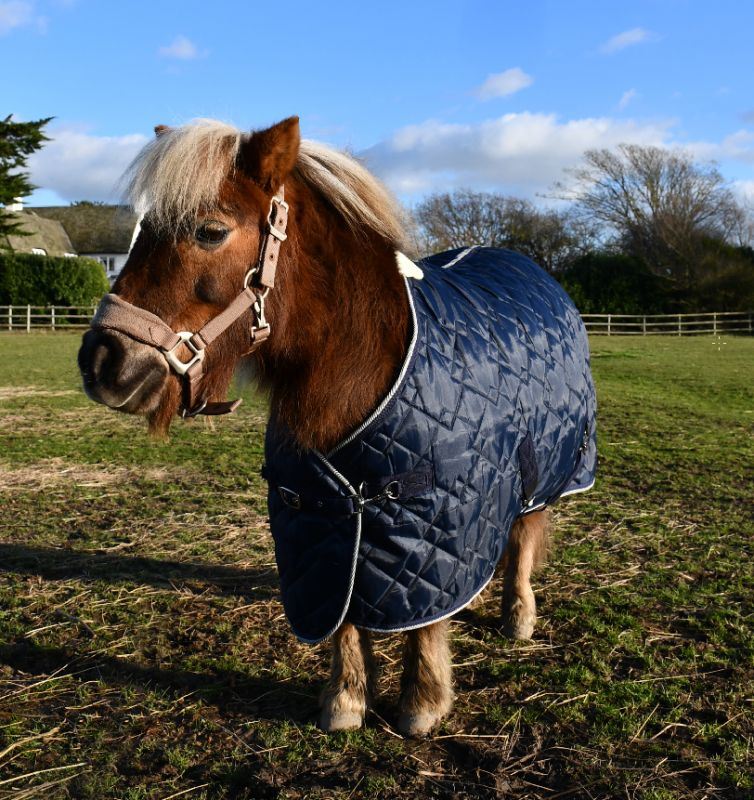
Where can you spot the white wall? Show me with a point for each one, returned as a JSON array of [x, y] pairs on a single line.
[[113, 262]]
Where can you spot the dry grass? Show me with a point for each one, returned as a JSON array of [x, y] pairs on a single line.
[[14, 392], [53, 472]]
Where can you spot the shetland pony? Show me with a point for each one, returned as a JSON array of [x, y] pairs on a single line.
[[338, 325]]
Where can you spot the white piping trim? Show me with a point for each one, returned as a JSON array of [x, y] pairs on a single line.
[[397, 385], [564, 494], [459, 257], [436, 619], [354, 560], [579, 490]]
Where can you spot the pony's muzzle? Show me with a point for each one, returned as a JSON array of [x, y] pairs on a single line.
[[120, 372]]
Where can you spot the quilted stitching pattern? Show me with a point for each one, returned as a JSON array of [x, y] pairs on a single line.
[[501, 355]]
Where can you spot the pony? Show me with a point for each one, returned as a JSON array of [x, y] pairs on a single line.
[[307, 292]]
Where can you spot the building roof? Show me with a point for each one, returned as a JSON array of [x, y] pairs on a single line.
[[45, 234], [94, 228]]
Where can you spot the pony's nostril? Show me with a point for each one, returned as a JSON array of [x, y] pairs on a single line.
[[99, 355], [97, 358]]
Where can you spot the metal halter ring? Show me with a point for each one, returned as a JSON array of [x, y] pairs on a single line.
[[182, 367], [249, 275]]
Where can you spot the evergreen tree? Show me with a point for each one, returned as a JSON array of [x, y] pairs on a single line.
[[18, 140]]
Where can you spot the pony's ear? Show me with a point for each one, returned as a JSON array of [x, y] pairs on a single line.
[[160, 129], [268, 156]]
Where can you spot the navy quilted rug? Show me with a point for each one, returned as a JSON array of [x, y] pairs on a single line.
[[491, 417]]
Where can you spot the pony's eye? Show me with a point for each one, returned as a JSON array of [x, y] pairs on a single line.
[[211, 234]]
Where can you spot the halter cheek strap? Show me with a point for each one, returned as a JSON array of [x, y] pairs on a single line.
[[117, 314]]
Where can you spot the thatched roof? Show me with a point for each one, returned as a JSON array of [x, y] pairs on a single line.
[[46, 234], [94, 228]]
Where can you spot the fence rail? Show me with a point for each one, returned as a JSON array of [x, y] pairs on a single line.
[[28, 318], [710, 323]]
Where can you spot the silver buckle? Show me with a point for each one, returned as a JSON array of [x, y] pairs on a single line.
[[182, 367]]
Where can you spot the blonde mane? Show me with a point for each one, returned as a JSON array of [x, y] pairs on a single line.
[[182, 170]]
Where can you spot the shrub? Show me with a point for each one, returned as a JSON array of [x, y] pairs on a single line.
[[727, 279], [46, 280], [606, 283]]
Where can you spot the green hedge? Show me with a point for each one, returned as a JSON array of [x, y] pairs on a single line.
[[614, 283], [46, 280], [607, 283]]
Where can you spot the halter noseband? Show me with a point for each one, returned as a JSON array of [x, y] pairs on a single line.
[[117, 314]]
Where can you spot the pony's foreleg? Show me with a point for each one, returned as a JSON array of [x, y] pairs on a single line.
[[426, 683], [347, 693], [527, 548]]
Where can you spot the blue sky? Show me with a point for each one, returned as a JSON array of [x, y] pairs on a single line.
[[492, 95]]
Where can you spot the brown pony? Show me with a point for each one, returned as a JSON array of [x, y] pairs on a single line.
[[339, 330]]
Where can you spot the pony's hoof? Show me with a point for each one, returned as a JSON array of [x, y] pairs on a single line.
[[331, 721], [519, 628], [419, 723]]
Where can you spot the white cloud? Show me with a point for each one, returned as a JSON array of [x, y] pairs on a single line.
[[745, 191], [627, 39], [521, 154], [626, 98], [502, 84], [738, 146], [79, 166], [182, 48], [15, 14], [517, 153]]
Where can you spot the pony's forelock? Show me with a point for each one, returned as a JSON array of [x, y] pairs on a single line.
[[182, 170]]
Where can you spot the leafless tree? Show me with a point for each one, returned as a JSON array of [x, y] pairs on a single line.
[[552, 238], [661, 205]]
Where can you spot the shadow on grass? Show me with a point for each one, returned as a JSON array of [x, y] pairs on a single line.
[[266, 698], [61, 564]]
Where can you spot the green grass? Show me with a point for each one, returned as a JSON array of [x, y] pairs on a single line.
[[143, 650]]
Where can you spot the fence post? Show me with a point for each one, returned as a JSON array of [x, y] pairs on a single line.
[[52, 316], [10, 319], [644, 326], [28, 318], [679, 324], [714, 323], [609, 318], [750, 316]]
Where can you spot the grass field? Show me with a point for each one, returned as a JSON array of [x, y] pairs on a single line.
[[144, 653]]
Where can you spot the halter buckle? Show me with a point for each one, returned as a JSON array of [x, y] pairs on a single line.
[[182, 367], [281, 236]]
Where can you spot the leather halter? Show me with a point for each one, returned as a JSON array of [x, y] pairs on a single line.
[[117, 314]]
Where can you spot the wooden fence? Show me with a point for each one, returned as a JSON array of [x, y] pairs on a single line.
[[27, 318], [709, 323]]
